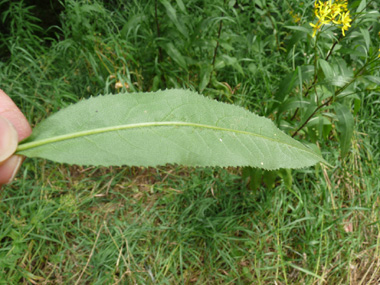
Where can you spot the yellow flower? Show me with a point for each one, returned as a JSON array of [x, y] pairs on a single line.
[[296, 17], [316, 27], [328, 12], [345, 21]]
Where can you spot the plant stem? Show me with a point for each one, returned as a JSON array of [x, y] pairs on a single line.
[[158, 30], [312, 115], [160, 56], [331, 98], [217, 41], [315, 80], [326, 58]]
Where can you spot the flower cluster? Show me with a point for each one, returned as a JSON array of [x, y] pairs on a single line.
[[328, 12], [296, 17]]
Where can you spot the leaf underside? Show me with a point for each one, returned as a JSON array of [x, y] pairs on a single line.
[[171, 126]]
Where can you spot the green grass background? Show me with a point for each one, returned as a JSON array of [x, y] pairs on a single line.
[[62, 224]]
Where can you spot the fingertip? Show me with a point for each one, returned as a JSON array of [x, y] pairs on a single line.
[[12, 113], [8, 139], [9, 168]]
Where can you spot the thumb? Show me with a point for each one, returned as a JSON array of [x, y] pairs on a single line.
[[8, 139]]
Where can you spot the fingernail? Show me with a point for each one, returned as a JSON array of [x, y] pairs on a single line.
[[8, 139], [14, 163]]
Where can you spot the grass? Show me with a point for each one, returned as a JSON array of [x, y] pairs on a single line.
[[65, 224]]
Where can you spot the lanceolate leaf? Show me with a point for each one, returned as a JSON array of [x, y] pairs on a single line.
[[345, 126], [172, 126]]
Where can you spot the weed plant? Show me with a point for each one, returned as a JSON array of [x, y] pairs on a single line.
[[171, 225]]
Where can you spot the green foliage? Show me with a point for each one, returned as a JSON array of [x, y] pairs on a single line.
[[67, 224], [345, 126], [171, 126]]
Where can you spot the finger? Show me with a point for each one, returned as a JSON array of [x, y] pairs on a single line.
[[9, 110], [9, 168], [8, 139]]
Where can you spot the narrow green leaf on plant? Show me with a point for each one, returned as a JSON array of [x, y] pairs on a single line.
[[367, 38], [172, 14], [205, 74], [326, 68], [286, 85], [253, 176], [299, 28], [181, 6], [287, 178], [269, 178], [345, 126], [171, 126], [374, 79], [362, 6], [292, 104], [174, 53], [339, 80]]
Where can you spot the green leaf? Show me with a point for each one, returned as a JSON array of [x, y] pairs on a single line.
[[269, 178], [232, 61], [292, 104], [205, 74], [286, 85], [362, 6], [318, 127], [345, 126], [327, 70], [172, 126], [286, 175], [339, 80], [253, 177], [374, 79], [172, 14], [181, 6], [174, 53], [367, 38], [299, 28]]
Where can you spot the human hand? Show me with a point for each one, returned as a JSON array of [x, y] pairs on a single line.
[[13, 128]]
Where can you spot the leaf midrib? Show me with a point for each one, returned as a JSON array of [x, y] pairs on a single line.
[[34, 144]]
